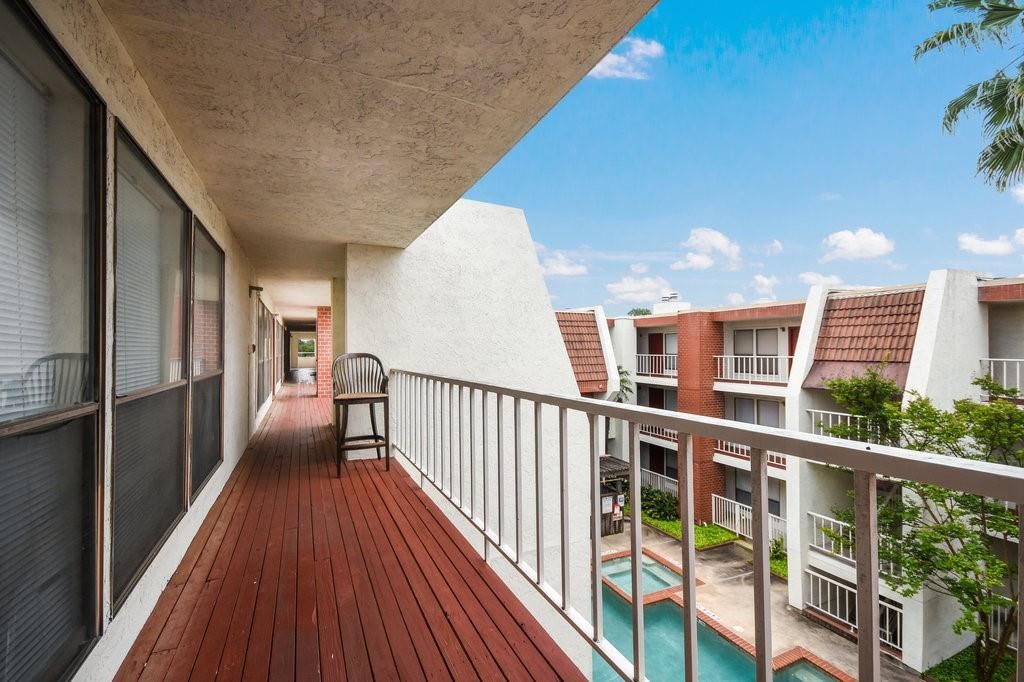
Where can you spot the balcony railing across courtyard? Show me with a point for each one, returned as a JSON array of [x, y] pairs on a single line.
[[826, 423], [652, 479], [523, 469], [834, 537], [659, 432], [839, 602], [760, 369], [743, 452], [739, 518], [1007, 372], [657, 365]]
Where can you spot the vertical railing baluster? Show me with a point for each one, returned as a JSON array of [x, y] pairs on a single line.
[[597, 594], [462, 465], [483, 475], [684, 467], [762, 574], [500, 426], [451, 441], [636, 548], [472, 455], [431, 468], [517, 428], [440, 441], [538, 469], [563, 476], [865, 502], [1020, 587]]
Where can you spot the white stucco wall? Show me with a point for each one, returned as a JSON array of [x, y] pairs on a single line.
[[84, 32], [1006, 330], [467, 300]]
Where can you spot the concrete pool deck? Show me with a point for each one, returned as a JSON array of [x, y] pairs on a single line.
[[725, 590]]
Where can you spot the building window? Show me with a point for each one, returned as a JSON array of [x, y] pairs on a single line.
[[50, 186], [148, 459], [763, 412], [207, 356]]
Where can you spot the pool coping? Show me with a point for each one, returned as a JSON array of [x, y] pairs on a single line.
[[780, 661]]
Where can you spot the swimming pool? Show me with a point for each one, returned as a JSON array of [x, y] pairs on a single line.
[[656, 576], [719, 659]]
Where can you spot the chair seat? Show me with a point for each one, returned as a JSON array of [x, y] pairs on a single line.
[[359, 397]]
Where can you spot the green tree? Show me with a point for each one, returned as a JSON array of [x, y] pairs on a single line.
[[954, 543], [1000, 98], [637, 312]]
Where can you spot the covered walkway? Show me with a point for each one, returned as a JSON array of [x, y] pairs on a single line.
[[296, 574]]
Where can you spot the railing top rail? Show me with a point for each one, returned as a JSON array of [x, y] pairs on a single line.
[[826, 518], [982, 478], [1002, 359], [835, 412]]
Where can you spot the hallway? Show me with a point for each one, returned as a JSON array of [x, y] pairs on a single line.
[[296, 574]]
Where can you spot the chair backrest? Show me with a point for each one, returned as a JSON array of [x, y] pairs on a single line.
[[57, 380], [359, 373]]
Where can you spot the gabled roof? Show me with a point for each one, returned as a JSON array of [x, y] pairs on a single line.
[[583, 343]]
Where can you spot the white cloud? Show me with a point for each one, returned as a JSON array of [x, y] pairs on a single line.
[[706, 246], [694, 261], [979, 246], [1018, 193], [858, 244], [735, 298], [830, 196], [637, 289], [765, 284], [638, 268], [560, 265], [631, 61], [1018, 236], [812, 278], [774, 248]]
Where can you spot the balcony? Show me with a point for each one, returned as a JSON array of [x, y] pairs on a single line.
[[753, 369], [835, 538], [739, 518], [823, 422], [659, 432], [657, 365], [652, 479], [1007, 372], [743, 452], [838, 602]]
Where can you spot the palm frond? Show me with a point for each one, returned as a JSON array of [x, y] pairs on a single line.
[[962, 5], [965, 34], [958, 105], [1000, 16], [1002, 161]]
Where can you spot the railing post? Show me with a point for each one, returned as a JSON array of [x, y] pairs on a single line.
[[1020, 587], [865, 500], [762, 573], [500, 408], [483, 457], [517, 429], [636, 545], [684, 465], [472, 455], [563, 473], [538, 468], [597, 593]]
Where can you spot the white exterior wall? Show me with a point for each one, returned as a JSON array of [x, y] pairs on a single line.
[[1006, 330], [624, 342], [467, 300], [83, 31]]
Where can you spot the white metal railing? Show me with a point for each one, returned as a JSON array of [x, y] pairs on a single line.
[[823, 421], [1007, 372], [306, 353], [769, 369], [495, 452], [657, 365], [839, 602], [997, 621], [739, 518], [835, 537], [659, 432], [652, 479], [743, 451]]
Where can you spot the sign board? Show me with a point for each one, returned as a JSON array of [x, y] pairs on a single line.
[[606, 504]]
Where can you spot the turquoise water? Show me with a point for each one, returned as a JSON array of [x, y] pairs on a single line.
[[718, 659], [655, 575]]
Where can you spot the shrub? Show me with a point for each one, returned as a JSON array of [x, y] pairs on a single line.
[[659, 504]]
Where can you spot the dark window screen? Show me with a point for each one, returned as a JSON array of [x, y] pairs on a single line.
[[46, 548], [206, 429], [148, 485]]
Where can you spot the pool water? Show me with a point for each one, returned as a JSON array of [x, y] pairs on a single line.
[[656, 576], [719, 659]]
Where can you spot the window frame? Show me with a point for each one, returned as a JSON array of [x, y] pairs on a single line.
[[97, 197]]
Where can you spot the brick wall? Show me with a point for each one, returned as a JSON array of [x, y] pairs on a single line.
[[701, 338], [324, 345]]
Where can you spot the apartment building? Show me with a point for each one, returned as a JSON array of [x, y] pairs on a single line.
[[766, 364]]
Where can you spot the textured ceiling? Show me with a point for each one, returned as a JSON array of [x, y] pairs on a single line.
[[316, 124]]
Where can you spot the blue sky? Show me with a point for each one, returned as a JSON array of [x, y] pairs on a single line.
[[738, 152]]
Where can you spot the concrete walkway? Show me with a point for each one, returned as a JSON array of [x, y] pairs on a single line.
[[727, 593]]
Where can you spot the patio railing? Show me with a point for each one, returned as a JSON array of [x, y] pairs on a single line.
[[835, 537], [997, 621], [1007, 372], [657, 365], [839, 602], [739, 518], [743, 451], [823, 421], [765, 369], [451, 431], [659, 432], [652, 479]]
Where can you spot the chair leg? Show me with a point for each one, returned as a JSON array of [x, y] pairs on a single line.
[[373, 425], [387, 436], [343, 454], [337, 438]]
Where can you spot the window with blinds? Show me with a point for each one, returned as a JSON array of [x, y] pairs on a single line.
[[49, 183], [207, 348]]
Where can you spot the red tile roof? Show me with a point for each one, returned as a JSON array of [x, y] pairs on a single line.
[[870, 327], [583, 343]]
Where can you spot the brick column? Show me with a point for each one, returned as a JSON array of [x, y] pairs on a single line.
[[324, 350], [700, 340]]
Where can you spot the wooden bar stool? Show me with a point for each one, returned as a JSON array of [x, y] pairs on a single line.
[[359, 379]]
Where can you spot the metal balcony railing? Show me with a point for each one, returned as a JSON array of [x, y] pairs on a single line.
[[657, 365], [739, 518], [824, 421], [743, 451], [659, 432], [839, 602], [835, 537], [1007, 372], [652, 479], [753, 369], [504, 458]]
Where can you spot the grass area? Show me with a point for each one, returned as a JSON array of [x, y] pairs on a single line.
[[780, 567], [960, 668], [703, 536]]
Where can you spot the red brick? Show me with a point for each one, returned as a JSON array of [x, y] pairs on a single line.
[[324, 351]]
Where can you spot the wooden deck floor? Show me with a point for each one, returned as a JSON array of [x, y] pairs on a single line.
[[296, 574]]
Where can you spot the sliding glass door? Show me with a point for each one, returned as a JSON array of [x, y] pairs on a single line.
[[207, 357]]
